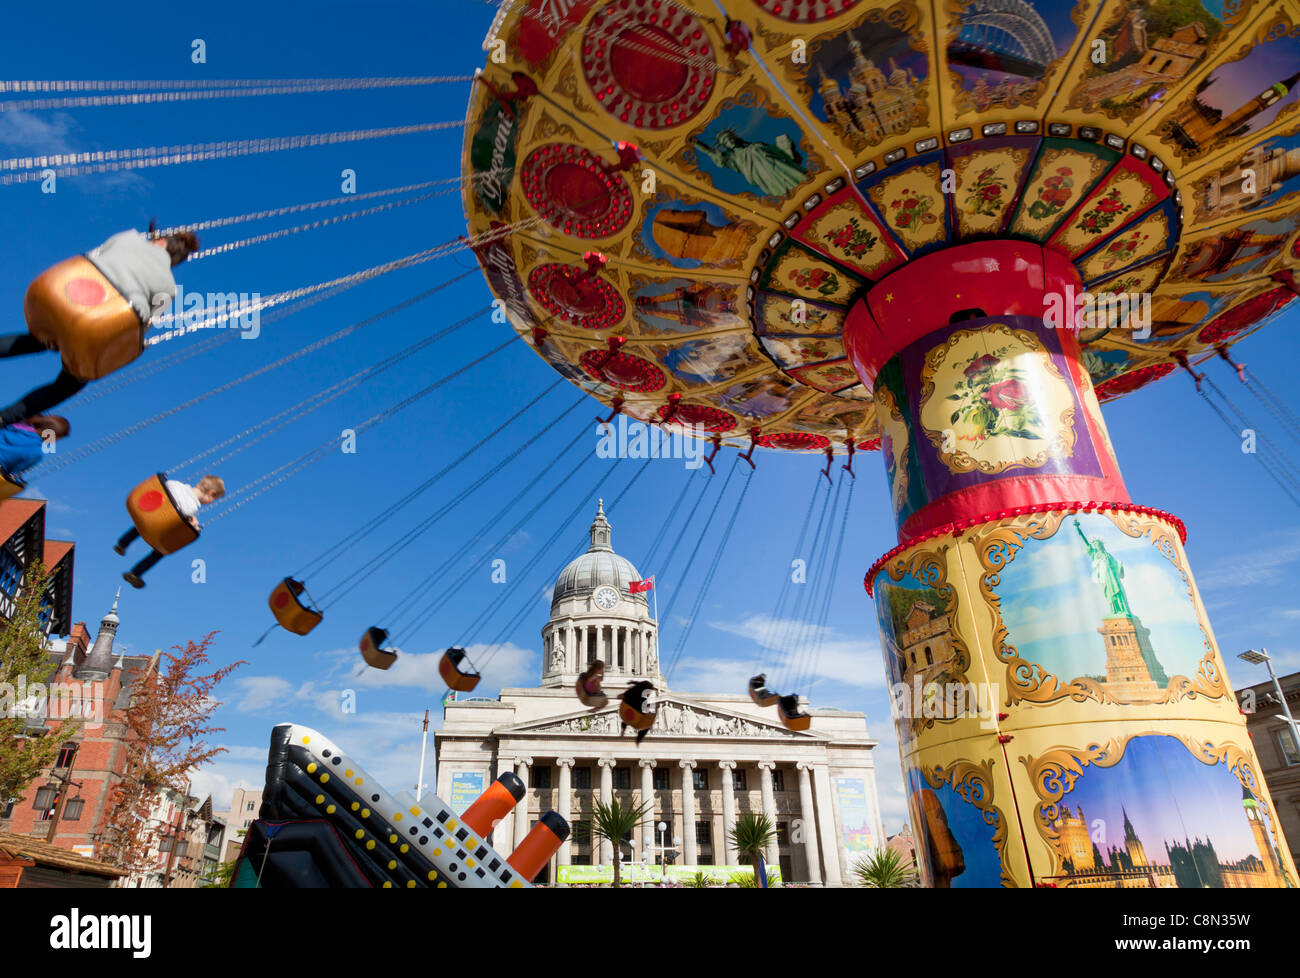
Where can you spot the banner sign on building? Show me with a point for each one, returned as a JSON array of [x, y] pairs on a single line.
[[641, 873], [466, 786], [855, 817]]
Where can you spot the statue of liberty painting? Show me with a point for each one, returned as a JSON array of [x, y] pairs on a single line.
[[774, 169], [1109, 573]]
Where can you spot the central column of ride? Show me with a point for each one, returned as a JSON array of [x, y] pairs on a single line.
[[1063, 712]]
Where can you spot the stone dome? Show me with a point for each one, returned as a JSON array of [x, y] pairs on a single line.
[[597, 567]]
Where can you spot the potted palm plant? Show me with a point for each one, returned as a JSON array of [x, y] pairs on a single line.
[[613, 822], [751, 835], [884, 869]]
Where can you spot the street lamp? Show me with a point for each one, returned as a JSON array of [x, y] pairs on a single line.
[[1255, 658], [663, 869]]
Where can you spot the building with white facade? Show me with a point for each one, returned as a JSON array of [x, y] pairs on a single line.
[[708, 757]]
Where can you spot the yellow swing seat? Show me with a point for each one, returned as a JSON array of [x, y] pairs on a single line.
[[462, 680], [372, 649], [71, 307], [156, 516], [292, 612], [10, 485]]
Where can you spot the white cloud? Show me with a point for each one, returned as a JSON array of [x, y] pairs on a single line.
[[242, 766], [261, 692], [47, 134], [1267, 565], [852, 661]]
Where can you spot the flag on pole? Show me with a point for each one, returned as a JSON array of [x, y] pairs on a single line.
[[636, 587], [448, 697]]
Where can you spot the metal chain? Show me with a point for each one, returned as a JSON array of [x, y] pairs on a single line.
[[222, 222], [486, 615], [345, 281], [126, 432], [360, 574], [228, 246], [220, 90], [107, 161], [318, 563], [103, 85], [322, 397], [291, 469]]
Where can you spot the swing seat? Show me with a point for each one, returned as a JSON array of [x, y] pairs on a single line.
[[156, 516], [596, 701], [372, 651], [787, 707], [634, 718], [449, 667], [759, 693], [10, 485], [71, 307], [290, 610]]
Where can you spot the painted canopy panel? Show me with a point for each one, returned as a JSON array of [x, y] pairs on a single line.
[[790, 155]]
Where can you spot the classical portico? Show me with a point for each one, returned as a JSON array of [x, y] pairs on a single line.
[[708, 758]]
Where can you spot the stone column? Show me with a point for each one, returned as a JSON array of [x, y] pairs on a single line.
[[647, 795], [564, 805], [501, 835], [606, 796], [726, 769], [808, 822], [690, 853], [829, 831], [522, 764], [765, 769]]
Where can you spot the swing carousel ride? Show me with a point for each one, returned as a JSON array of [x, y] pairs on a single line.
[[945, 231]]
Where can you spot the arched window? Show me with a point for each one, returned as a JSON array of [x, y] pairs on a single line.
[[929, 658]]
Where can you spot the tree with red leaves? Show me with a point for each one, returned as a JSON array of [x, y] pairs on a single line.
[[168, 722]]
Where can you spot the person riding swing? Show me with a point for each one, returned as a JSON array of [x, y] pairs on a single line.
[[64, 300]]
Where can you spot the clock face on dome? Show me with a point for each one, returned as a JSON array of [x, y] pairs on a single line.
[[606, 597]]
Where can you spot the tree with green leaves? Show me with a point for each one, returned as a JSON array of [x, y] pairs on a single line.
[[751, 835], [884, 870], [613, 822], [25, 662]]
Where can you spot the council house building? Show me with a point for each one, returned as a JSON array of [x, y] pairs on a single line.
[[708, 757]]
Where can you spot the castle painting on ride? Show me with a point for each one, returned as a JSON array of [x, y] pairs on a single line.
[[1106, 614], [869, 81], [1118, 824]]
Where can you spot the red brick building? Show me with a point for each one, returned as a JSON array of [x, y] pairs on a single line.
[[69, 804]]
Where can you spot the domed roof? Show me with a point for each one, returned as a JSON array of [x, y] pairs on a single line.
[[597, 567]]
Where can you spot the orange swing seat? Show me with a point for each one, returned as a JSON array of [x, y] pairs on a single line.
[[634, 718], [372, 648], [156, 516], [759, 693], [597, 701], [71, 307], [290, 610], [792, 718], [462, 680]]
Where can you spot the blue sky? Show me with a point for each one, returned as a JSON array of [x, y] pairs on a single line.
[[1244, 541]]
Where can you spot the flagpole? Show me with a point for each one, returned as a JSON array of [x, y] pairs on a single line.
[[424, 740], [654, 589]]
